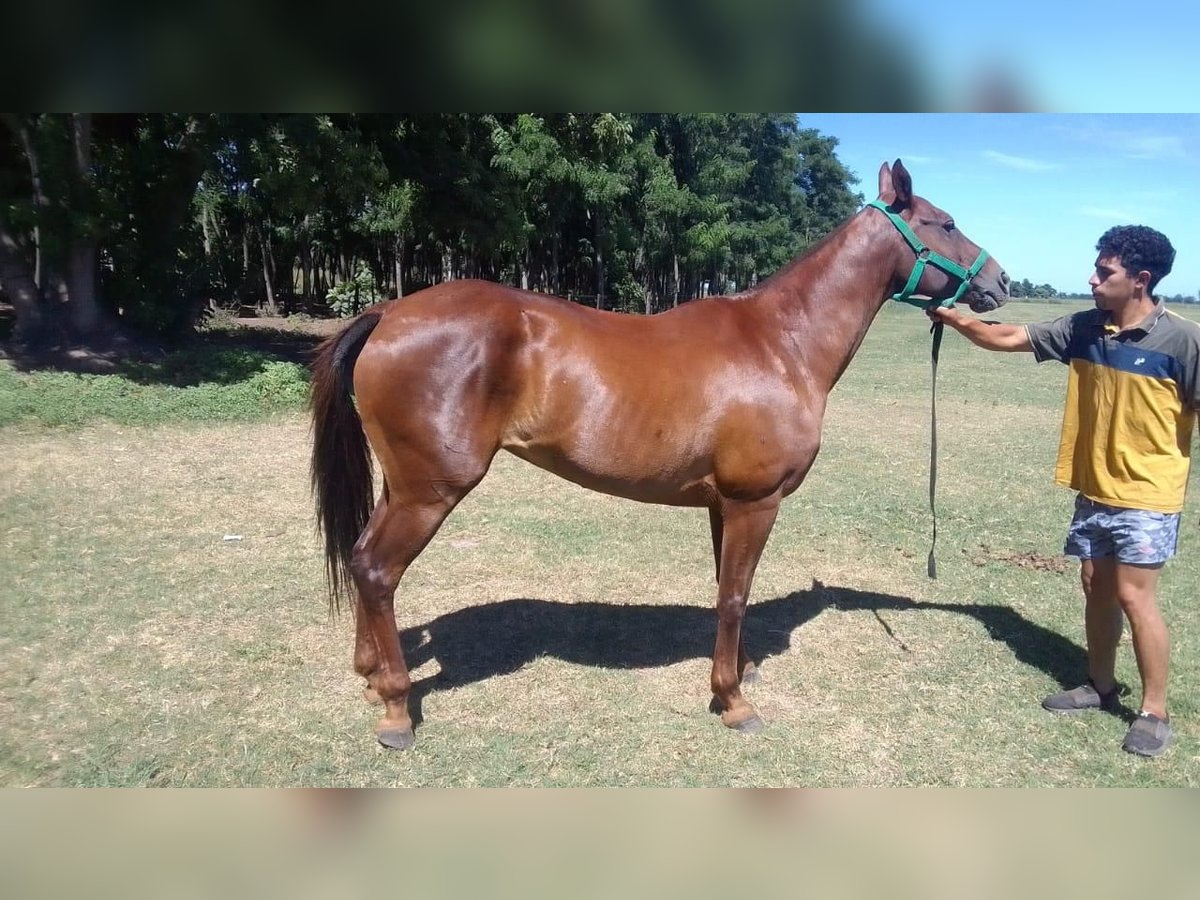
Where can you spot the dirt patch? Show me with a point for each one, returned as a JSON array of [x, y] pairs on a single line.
[[1025, 559]]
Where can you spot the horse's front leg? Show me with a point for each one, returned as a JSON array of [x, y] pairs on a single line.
[[747, 671], [745, 531]]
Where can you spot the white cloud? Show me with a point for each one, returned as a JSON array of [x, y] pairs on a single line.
[[1129, 142], [1108, 213], [1021, 163], [1153, 146]]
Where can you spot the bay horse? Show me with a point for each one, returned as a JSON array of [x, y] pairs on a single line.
[[717, 403]]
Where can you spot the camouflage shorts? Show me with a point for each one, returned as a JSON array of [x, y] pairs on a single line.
[[1134, 536]]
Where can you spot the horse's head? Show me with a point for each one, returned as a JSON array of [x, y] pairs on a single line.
[[950, 257]]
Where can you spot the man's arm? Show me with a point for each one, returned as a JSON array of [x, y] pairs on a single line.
[[989, 335]]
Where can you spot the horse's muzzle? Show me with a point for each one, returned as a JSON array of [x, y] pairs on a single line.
[[982, 301]]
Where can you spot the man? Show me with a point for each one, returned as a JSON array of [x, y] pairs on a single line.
[[1132, 394]]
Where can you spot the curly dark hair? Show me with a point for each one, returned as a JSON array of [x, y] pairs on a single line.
[[1140, 249]]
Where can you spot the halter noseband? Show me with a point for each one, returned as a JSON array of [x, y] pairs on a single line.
[[925, 256]]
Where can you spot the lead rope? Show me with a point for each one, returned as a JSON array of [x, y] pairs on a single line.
[[936, 331]]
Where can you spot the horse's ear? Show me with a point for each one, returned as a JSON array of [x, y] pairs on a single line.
[[902, 183], [895, 185], [886, 194]]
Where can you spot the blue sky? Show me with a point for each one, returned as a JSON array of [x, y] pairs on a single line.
[[1038, 190], [1063, 55]]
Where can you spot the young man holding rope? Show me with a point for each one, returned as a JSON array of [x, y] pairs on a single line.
[[1132, 395]]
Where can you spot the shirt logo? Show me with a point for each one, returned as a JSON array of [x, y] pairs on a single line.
[[1139, 360]]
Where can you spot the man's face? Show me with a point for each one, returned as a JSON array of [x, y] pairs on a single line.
[[1113, 285]]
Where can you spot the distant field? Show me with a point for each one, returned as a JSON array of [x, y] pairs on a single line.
[[163, 619]]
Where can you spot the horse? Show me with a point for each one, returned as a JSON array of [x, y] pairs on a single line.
[[717, 403]]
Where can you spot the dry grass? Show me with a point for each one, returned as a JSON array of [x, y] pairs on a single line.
[[561, 637]]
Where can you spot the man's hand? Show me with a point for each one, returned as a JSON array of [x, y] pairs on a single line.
[[945, 314]]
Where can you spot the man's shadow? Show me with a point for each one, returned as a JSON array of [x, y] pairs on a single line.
[[479, 642]]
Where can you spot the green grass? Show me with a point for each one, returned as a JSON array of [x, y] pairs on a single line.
[[227, 385], [561, 637]]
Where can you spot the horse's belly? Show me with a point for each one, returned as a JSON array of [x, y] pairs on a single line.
[[610, 472]]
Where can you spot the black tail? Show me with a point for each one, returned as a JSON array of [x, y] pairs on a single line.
[[342, 481]]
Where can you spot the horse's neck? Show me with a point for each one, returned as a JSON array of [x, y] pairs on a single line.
[[825, 302]]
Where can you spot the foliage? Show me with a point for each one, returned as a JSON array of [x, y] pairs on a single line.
[[186, 386], [1026, 290], [350, 297], [296, 212]]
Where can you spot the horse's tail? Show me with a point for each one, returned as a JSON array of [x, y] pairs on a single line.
[[342, 481]]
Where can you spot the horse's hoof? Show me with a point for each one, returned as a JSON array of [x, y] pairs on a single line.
[[752, 725], [395, 738], [372, 696], [745, 720]]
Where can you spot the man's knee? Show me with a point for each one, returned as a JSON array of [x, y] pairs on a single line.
[[1137, 588]]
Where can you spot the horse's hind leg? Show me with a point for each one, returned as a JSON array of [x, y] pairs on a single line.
[[399, 530], [366, 655]]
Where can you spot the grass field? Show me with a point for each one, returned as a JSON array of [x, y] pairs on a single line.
[[163, 617]]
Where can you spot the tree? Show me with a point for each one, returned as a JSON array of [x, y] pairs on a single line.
[[389, 215], [529, 154], [92, 210], [168, 213], [51, 262], [596, 143], [155, 278]]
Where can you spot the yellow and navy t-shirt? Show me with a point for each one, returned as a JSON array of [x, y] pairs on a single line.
[[1131, 405]]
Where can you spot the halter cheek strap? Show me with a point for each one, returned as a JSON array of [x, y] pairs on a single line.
[[926, 256]]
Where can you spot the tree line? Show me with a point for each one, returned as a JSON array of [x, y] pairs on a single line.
[[1026, 290], [140, 221]]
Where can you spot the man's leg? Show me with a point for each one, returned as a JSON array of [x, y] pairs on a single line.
[[1102, 622], [1102, 619], [1136, 590]]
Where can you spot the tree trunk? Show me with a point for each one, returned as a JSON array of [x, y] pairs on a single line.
[[204, 226], [17, 280], [86, 318], [85, 314], [41, 201], [598, 259], [270, 245], [675, 279], [398, 248], [555, 272], [306, 282], [644, 278], [272, 309]]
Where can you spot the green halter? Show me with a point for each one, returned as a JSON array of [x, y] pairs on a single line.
[[925, 256], [950, 267]]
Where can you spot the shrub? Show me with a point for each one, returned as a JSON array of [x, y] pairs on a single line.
[[349, 298]]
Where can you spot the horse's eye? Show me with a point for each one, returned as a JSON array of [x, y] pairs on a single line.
[[949, 226]]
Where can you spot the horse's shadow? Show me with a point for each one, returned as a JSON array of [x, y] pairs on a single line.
[[478, 642]]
